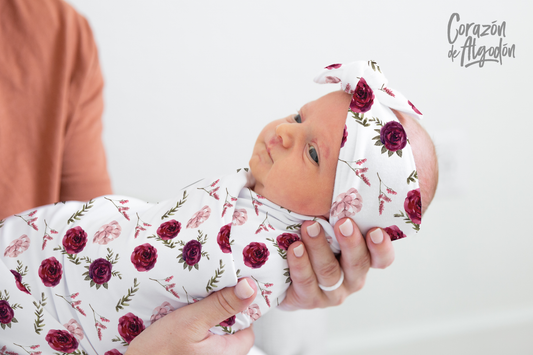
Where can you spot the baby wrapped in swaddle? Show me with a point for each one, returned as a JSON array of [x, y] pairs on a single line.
[[87, 277]]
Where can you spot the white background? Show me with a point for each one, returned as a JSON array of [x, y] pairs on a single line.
[[189, 85]]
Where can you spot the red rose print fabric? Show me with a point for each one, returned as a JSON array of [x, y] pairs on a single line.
[[376, 182], [91, 276]]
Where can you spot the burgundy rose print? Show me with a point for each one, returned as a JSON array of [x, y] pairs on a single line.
[[413, 206], [199, 217], [113, 352], [100, 271], [107, 233], [347, 204], [50, 272], [228, 322], [223, 238], [144, 257], [240, 216], [62, 340], [393, 136], [6, 313], [255, 255], [166, 232], [17, 247], [286, 239], [129, 326], [394, 232], [191, 252], [169, 230], [75, 240], [363, 97]]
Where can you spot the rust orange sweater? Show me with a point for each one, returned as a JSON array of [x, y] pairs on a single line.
[[50, 107]]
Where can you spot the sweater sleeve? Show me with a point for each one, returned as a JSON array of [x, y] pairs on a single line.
[[84, 171]]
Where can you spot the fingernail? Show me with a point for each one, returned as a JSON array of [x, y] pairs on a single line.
[[313, 230], [377, 236], [299, 250], [243, 290], [346, 228]]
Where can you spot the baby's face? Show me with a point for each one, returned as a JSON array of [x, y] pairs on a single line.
[[295, 158]]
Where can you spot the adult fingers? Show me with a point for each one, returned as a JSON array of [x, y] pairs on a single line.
[[324, 263], [355, 258], [380, 247], [239, 343], [218, 307], [304, 284]]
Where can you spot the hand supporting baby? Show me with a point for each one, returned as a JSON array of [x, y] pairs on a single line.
[[311, 262]]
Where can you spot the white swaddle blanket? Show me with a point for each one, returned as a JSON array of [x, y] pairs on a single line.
[[87, 277], [91, 276]]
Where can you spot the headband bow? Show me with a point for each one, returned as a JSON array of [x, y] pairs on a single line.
[[376, 183]]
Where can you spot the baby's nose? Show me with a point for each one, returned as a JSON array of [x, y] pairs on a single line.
[[288, 133]]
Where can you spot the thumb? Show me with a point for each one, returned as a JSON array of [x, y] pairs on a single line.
[[221, 305]]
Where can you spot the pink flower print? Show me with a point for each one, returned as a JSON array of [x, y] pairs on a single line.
[[107, 233], [199, 217], [18, 246], [332, 80], [413, 107], [240, 216], [347, 204], [74, 328], [333, 66], [113, 352], [253, 312], [161, 311]]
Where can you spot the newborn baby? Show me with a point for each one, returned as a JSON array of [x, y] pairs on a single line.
[[89, 277]]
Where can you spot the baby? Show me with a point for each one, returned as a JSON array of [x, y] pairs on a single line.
[[91, 276]]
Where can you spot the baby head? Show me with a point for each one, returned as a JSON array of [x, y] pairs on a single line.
[[347, 154]]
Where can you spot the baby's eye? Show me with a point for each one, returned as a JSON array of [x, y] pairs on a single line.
[[298, 118], [313, 153]]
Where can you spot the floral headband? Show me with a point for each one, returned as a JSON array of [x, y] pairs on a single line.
[[376, 183]]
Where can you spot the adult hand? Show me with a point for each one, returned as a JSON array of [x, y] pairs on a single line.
[[186, 330], [312, 262]]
